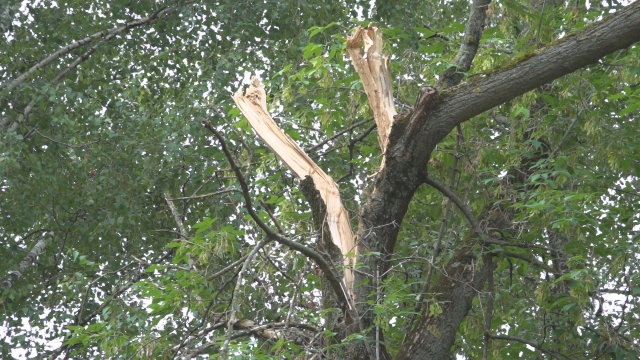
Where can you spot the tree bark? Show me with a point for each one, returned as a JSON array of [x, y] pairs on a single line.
[[410, 146]]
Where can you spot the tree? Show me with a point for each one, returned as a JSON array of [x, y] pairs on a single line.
[[132, 231]]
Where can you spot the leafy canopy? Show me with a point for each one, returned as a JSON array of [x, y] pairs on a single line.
[[90, 157]]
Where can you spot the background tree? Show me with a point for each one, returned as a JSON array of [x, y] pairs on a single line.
[[127, 233]]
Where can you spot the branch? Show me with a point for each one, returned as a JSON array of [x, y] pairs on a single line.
[[205, 195], [84, 321], [359, 123], [283, 325], [176, 216], [62, 143], [336, 284], [443, 224], [530, 343], [361, 137], [273, 219], [155, 16], [519, 245], [134, 279], [227, 268], [241, 180], [489, 311], [475, 226], [578, 116], [253, 104], [469, 46], [235, 307], [528, 259], [252, 329], [577, 50], [61, 74], [28, 260], [203, 332]]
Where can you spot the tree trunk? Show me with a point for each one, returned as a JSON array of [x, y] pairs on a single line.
[[410, 146]]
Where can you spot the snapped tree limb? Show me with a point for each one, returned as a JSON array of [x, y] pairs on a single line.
[[253, 105]]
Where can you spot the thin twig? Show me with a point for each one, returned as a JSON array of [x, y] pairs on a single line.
[[155, 16], [527, 342], [475, 226], [293, 300], [205, 195], [235, 307], [364, 134], [488, 316], [578, 116], [227, 268], [273, 219], [62, 143], [353, 141], [336, 135], [544, 2]]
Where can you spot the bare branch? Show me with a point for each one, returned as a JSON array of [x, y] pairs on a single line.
[[475, 226], [336, 135], [530, 343], [235, 307], [176, 216], [469, 45], [62, 143], [205, 195], [528, 259], [155, 16]]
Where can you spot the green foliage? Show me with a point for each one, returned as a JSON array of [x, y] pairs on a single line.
[[94, 156]]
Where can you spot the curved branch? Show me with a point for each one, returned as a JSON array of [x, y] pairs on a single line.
[[475, 225], [571, 53], [336, 283], [529, 259], [155, 16], [251, 329], [241, 180], [281, 325]]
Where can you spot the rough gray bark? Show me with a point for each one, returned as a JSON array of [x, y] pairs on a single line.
[[407, 156]]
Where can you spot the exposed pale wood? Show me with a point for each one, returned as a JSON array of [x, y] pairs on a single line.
[[373, 69], [254, 107]]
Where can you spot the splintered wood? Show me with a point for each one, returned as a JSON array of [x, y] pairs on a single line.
[[375, 76], [254, 107]]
